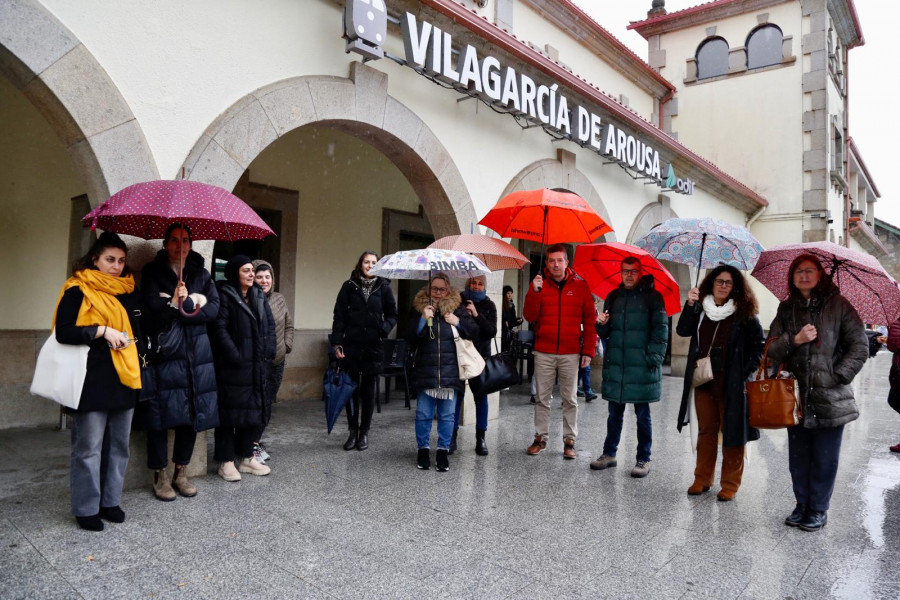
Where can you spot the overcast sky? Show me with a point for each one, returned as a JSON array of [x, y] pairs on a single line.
[[874, 95]]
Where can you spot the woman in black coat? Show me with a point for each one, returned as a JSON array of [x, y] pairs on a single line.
[[99, 307], [511, 318], [243, 341], [720, 318], [436, 310], [365, 312], [484, 312], [185, 399]]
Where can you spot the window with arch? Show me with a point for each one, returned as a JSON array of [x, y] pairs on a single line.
[[712, 58], [764, 46]]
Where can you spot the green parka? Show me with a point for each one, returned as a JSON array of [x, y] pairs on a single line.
[[637, 332]]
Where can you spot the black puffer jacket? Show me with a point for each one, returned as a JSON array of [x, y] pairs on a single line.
[[360, 325], [742, 354], [185, 379], [102, 388], [486, 321], [824, 367], [434, 360], [243, 341]]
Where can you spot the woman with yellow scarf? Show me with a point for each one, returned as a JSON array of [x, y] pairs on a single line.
[[98, 306]]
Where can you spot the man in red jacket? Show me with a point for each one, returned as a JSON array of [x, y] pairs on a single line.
[[562, 309]]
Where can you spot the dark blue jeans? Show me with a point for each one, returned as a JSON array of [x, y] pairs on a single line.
[[614, 429], [813, 459], [584, 377], [481, 412]]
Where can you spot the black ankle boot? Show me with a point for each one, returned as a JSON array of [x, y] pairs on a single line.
[[350, 444], [480, 445], [423, 459], [443, 463], [362, 442], [91, 523], [453, 442]]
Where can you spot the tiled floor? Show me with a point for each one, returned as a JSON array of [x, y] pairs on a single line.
[[335, 524]]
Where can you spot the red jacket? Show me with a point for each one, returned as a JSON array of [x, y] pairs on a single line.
[[564, 316]]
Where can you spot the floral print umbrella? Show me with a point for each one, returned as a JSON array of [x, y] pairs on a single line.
[[860, 277], [425, 262], [703, 243]]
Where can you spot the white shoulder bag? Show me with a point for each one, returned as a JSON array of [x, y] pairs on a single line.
[[469, 359], [60, 372]]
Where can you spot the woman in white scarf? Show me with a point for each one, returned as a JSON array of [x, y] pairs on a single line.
[[720, 318]]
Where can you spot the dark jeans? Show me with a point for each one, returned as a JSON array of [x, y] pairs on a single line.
[[232, 443], [363, 402], [273, 384], [584, 377], [614, 429], [157, 446], [481, 412], [813, 459]]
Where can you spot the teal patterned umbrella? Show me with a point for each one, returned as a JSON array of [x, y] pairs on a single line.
[[703, 242], [425, 262]]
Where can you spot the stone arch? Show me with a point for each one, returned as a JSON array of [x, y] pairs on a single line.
[[559, 173], [60, 76], [359, 106]]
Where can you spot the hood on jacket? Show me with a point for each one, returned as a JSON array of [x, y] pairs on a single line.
[[256, 264], [193, 260], [450, 302]]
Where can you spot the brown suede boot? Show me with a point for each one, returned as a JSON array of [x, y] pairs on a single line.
[[182, 484], [162, 489]]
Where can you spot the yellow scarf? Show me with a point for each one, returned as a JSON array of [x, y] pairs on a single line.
[[101, 308]]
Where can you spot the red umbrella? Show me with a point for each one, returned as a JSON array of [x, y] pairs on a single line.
[[601, 266], [546, 216], [146, 209], [496, 254], [860, 277]]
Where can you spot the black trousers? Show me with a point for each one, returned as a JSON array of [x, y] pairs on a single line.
[[157, 446], [813, 458], [235, 442], [363, 403]]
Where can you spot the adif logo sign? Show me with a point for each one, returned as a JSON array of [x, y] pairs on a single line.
[[683, 186]]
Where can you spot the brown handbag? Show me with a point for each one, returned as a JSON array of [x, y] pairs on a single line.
[[773, 403]]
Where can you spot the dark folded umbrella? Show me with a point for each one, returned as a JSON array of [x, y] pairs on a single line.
[[338, 390]]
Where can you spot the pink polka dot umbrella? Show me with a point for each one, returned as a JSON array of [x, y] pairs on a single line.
[[146, 209]]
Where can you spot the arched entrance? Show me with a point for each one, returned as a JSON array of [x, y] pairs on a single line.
[[330, 125]]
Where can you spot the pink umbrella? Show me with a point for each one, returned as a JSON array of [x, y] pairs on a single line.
[[146, 209], [860, 277], [496, 254]]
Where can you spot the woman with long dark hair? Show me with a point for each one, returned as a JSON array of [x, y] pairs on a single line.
[[720, 318], [185, 401], [820, 338], [510, 318], [365, 312], [98, 306]]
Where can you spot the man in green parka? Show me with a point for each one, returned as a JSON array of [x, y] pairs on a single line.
[[636, 328]]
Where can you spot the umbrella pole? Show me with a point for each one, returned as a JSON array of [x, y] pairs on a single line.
[[543, 243], [700, 262], [181, 280]]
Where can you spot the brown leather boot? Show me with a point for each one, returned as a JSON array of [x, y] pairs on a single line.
[[182, 484], [162, 489]]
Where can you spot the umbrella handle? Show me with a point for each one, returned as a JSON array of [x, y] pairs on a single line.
[[186, 313]]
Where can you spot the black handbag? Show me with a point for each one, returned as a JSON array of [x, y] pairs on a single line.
[[170, 339], [499, 373]]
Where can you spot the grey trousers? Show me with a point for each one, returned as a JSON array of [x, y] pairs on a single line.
[[99, 458]]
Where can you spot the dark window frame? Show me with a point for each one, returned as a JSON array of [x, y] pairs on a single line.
[[771, 54], [709, 57]]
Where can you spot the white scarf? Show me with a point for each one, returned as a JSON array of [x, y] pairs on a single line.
[[718, 313]]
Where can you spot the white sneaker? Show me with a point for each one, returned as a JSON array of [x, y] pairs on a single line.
[[228, 472], [260, 455], [253, 467]]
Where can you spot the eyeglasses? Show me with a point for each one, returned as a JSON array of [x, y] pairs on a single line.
[[724, 282], [438, 290], [631, 271]]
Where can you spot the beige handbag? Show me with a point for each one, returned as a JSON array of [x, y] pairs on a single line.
[[703, 372], [469, 359]]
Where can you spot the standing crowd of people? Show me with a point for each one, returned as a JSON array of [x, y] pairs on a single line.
[[216, 352]]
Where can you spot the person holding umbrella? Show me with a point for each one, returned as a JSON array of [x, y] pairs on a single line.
[[98, 306], [186, 378], [437, 313], [818, 336], [484, 312], [243, 340], [365, 313], [720, 318]]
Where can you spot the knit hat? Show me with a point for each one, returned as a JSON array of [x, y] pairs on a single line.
[[507, 288], [232, 267]]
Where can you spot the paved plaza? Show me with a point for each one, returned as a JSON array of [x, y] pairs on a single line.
[[335, 524]]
